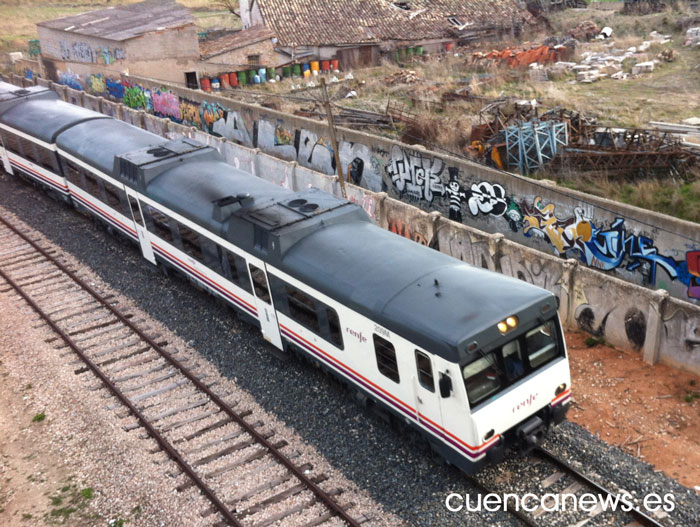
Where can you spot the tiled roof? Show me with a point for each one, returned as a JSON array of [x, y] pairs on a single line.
[[238, 39], [124, 22], [338, 22]]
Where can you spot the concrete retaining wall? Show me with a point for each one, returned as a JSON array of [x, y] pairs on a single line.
[[642, 247], [662, 328]]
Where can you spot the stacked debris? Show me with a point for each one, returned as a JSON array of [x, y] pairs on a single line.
[[522, 56], [586, 30], [627, 152], [402, 77]]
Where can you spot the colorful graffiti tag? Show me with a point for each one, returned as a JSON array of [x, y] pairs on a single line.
[[70, 79], [95, 84], [166, 104], [115, 89], [84, 52], [418, 178]]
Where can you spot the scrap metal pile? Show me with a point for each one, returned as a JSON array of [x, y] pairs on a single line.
[[516, 135]]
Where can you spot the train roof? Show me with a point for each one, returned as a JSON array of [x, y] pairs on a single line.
[[421, 294], [45, 119], [98, 142], [247, 206], [191, 189]]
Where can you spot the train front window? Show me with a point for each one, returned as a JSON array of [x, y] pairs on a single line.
[[541, 344], [482, 378], [496, 370]]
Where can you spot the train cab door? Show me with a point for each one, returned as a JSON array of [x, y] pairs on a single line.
[[140, 226], [263, 300], [427, 396]]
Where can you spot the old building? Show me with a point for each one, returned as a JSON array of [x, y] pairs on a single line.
[[246, 48], [361, 32], [156, 38]]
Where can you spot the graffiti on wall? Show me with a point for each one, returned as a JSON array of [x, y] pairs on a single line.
[[166, 104], [115, 89], [95, 85], [84, 52], [70, 79], [423, 179]]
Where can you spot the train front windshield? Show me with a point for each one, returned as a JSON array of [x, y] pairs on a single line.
[[502, 367]]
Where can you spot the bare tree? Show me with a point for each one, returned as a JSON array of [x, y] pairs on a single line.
[[229, 5]]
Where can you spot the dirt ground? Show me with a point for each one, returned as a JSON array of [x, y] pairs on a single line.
[[42, 476], [652, 412]]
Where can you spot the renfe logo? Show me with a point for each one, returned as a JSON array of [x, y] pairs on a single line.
[[527, 402], [357, 334]]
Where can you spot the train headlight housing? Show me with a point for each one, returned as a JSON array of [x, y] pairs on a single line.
[[489, 434], [504, 326], [560, 389]]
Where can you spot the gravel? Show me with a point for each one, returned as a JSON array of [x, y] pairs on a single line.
[[395, 468]]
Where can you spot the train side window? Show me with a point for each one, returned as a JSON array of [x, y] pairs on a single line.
[[209, 254], [46, 158], [302, 308], [386, 358], [115, 196], [72, 173], [159, 224], [235, 270], [425, 371], [260, 283], [190, 242], [10, 141], [27, 148], [93, 184], [334, 327]]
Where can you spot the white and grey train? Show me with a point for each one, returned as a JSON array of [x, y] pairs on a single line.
[[475, 361]]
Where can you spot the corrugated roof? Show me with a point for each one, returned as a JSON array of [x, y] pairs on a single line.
[[217, 46], [338, 22], [124, 22]]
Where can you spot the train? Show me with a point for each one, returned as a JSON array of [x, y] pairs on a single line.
[[474, 361]]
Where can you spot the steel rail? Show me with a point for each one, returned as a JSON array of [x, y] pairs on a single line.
[[640, 516], [323, 496], [164, 444]]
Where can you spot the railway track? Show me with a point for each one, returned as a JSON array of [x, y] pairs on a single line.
[[247, 473], [563, 479]]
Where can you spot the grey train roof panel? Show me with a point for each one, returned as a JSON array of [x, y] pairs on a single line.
[[45, 119], [393, 279], [192, 188], [98, 142]]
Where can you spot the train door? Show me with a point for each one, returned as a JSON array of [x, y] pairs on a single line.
[[263, 300], [140, 226], [5, 159], [427, 396]]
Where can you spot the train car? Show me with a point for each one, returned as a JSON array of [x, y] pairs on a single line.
[[473, 360]]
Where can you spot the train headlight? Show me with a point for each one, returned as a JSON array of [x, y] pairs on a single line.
[[560, 389], [489, 434], [504, 326]]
